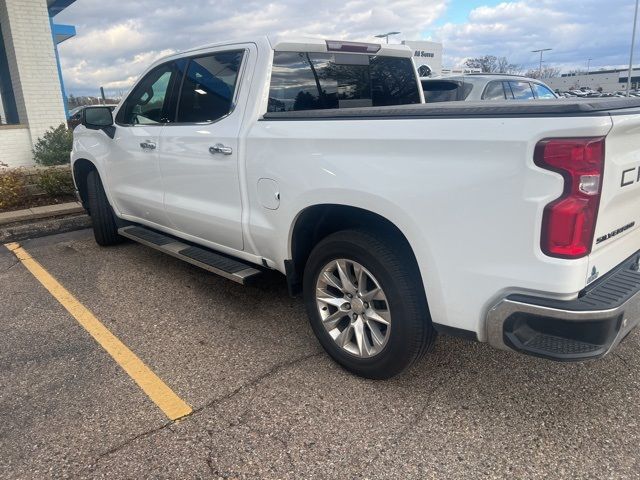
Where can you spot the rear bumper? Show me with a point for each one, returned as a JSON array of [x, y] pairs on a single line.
[[588, 327]]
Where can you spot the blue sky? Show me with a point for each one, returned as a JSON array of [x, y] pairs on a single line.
[[458, 11], [117, 39]]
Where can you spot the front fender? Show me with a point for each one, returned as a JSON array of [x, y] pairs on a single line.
[[92, 146]]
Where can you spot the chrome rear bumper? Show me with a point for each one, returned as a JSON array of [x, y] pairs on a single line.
[[588, 327]]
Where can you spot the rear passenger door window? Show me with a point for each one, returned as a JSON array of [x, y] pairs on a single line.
[[494, 91], [521, 90], [209, 87]]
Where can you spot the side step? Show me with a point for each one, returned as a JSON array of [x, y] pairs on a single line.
[[202, 257]]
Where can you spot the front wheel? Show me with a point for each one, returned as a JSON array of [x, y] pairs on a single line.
[[366, 304], [105, 229]]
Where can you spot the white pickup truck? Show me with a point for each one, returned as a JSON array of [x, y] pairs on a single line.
[[516, 224]]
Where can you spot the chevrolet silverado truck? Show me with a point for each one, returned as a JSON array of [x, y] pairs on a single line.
[[507, 223]]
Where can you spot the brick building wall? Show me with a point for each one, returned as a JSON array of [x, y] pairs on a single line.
[[15, 145]]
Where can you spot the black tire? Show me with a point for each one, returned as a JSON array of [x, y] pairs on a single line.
[[105, 230], [411, 333]]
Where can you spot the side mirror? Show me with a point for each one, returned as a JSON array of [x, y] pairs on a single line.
[[98, 118]]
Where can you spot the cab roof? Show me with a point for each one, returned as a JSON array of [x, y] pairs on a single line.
[[315, 44], [285, 43]]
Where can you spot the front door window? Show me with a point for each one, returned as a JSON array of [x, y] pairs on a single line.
[[148, 103]]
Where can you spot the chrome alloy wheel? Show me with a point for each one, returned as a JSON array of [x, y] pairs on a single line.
[[353, 307]]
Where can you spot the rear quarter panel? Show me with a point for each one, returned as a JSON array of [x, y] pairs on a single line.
[[465, 193]]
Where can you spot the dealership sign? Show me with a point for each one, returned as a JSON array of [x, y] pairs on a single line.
[[423, 54]]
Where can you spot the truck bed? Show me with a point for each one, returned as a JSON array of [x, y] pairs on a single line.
[[485, 109]]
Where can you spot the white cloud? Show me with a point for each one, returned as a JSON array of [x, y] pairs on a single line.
[[576, 30], [117, 40], [114, 44]]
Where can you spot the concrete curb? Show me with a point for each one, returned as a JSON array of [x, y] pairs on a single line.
[[37, 213], [41, 221], [18, 231]]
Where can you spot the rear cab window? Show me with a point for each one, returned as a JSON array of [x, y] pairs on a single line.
[[313, 81]]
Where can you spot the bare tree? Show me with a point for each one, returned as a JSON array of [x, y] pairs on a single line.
[[504, 66], [493, 64], [546, 72], [77, 101], [484, 64]]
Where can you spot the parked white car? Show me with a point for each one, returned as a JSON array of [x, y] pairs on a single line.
[[511, 223], [484, 86]]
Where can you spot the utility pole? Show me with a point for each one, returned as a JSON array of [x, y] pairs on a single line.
[[386, 35], [540, 51], [633, 41], [588, 65]]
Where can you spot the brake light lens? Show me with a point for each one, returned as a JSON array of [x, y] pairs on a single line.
[[569, 222], [353, 47]]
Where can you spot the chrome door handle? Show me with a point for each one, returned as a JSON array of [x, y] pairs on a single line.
[[220, 148], [148, 145]]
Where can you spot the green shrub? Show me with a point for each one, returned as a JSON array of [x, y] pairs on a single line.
[[56, 181], [54, 147], [12, 188]]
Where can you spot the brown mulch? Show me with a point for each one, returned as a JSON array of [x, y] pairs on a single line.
[[40, 201]]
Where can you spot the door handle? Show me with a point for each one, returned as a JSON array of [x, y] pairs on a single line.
[[220, 148], [148, 145]]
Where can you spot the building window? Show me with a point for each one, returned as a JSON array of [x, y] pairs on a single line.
[[8, 109]]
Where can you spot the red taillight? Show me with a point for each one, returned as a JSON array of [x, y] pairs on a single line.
[[568, 223]]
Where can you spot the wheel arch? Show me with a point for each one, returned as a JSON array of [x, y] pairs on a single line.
[[81, 169], [315, 222]]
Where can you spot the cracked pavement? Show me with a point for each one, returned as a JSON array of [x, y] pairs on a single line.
[[267, 402]]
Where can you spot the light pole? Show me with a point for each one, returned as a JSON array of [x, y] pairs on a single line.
[[386, 35], [540, 51], [633, 41], [588, 65]]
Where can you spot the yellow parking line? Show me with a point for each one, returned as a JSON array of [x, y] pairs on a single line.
[[165, 398]]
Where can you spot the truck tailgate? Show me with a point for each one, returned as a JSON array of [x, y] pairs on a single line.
[[617, 233]]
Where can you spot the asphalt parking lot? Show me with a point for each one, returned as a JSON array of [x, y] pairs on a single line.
[[266, 401]]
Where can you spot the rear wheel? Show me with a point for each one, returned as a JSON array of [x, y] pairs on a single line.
[[366, 304], [105, 230]]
